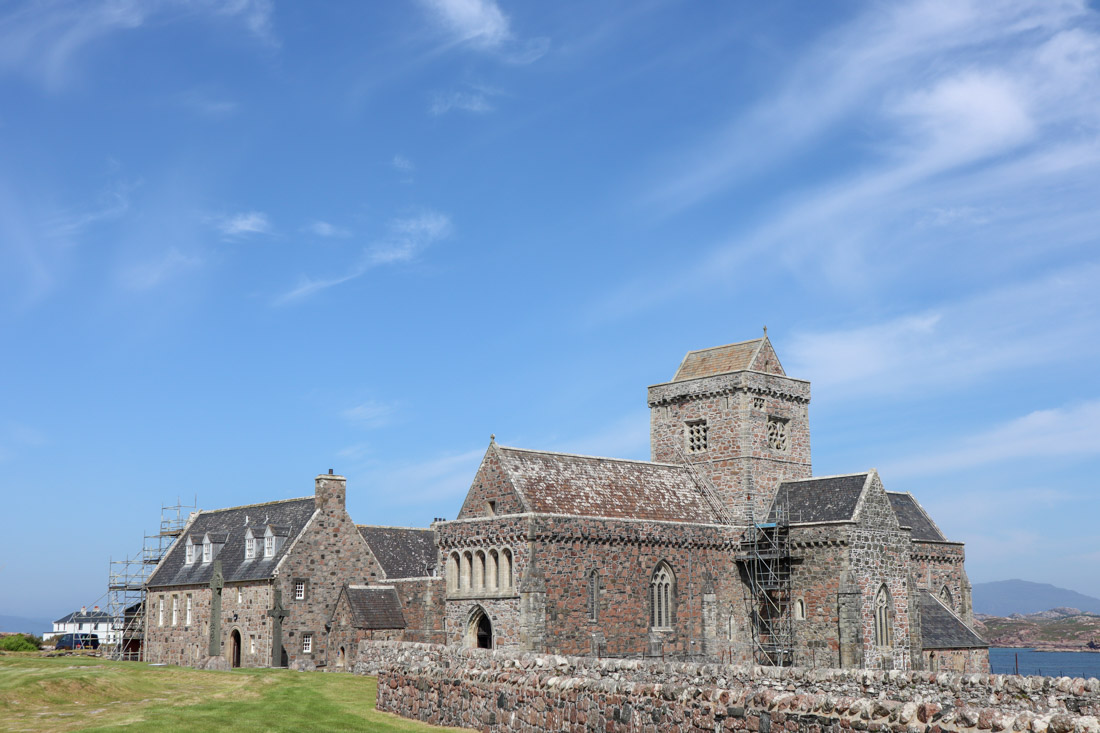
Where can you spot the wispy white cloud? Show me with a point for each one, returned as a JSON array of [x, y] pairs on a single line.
[[43, 40], [954, 344], [1054, 433], [475, 101], [402, 164], [326, 229], [483, 26], [151, 273], [369, 414], [245, 223], [113, 204], [406, 239]]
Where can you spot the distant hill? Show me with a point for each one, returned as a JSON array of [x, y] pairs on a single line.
[[25, 625], [1006, 597]]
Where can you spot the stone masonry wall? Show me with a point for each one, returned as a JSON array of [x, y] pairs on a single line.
[[940, 564], [423, 602], [497, 691], [189, 645], [821, 556], [736, 407], [490, 485]]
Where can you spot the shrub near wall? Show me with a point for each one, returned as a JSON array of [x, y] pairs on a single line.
[[529, 693]]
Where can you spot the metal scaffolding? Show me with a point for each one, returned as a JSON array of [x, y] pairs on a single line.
[[765, 555], [126, 582]]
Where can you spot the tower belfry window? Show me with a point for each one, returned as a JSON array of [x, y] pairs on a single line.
[[696, 436], [777, 434]]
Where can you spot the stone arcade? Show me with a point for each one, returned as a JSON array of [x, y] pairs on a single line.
[[578, 555]]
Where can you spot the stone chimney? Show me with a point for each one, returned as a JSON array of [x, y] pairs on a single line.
[[331, 492], [83, 609]]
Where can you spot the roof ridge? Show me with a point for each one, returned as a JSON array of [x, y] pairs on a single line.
[[726, 346], [822, 478], [249, 506], [584, 455]]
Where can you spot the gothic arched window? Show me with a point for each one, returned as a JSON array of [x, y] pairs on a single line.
[[662, 597], [945, 596], [882, 617], [593, 595], [800, 610]]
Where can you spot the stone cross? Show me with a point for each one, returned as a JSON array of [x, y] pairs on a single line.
[[277, 614], [217, 582]]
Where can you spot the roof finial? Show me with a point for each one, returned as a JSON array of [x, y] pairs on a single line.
[[493, 438], [765, 331]]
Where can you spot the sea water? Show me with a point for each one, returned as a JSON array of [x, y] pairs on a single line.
[[1003, 660]]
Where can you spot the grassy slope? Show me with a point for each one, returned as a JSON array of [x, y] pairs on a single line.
[[1066, 633], [80, 693]]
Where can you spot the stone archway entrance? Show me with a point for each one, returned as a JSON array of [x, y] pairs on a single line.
[[235, 648], [341, 659], [480, 633]]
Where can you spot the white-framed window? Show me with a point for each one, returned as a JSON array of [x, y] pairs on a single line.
[[251, 643], [190, 552], [269, 546], [307, 643], [249, 546], [299, 590], [175, 610], [160, 612], [207, 550], [187, 611], [240, 596]]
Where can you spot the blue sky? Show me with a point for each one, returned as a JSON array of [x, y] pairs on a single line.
[[245, 242]]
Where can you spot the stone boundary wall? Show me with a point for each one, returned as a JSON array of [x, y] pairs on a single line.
[[502, 691]]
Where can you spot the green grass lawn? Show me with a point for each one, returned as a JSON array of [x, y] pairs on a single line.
[[85, 693]]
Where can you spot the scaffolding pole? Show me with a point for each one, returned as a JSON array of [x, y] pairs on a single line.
[[765, 555], [126, 583]]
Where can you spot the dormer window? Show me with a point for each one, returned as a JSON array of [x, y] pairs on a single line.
[[249, 546], [269, 543], [207, 550], [191, 551], [273, 539]]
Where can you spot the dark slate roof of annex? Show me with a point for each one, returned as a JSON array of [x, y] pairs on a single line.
[[403, 552], [911, 514], [375, 607], [85, 617], [825, 499], [563, 483], [942, 629], [291, 513], [717, 360]]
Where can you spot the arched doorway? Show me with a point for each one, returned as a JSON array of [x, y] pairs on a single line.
[[480, 630], [235, 644], [340, 658]]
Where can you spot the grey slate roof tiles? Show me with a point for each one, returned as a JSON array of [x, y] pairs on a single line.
[[562, 483], [911, 514], [403, 552], [827, 499], [291, 514], [942, 629], [375, 607], [86, 617]]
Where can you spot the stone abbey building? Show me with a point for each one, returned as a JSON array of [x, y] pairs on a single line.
[[723, 546]]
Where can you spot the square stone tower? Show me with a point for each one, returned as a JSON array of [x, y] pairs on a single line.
[[738, 419]]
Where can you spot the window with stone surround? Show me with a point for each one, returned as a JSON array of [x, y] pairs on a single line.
[[175, 610], [800, 610], [299, 589], [696, 435], [662, 597], [240, 596], [593, 596], [307, 643], [777, 433], [945, 596], [251, 643], [882, 617], [187, 616], [160, 612], [506, 568]]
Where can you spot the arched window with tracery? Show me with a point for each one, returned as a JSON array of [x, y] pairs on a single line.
[[945, 596], [882, 617], [593, 596], [662, 597]]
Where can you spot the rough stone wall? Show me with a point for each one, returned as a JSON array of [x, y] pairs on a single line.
[[490, 484], [526, 692], [329, 554], [189, 645], [423, 602], [736, 407], [955, 660], [879, 555], [821, 558], [940, 564]]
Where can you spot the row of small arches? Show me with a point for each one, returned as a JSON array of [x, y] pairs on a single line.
[[480, 570]]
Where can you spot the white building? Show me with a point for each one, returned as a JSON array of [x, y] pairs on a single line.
[[84, 622]]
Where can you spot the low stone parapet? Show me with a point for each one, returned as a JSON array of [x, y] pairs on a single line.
[[502, 691]]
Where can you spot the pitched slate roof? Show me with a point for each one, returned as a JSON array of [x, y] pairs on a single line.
[[403, 552], [291, 514], [826, 499], [563, 483], [940, 628], [86, 617], [375, 607], [718, 360], [911, 514]]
